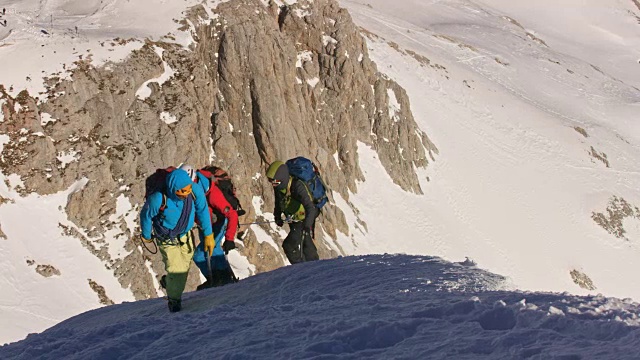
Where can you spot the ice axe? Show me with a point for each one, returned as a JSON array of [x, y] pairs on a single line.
[[209, 271]]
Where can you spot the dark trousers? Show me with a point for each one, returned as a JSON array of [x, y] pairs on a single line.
[[297, 248]]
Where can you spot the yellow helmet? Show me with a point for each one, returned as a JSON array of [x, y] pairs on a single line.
[[278, 174]]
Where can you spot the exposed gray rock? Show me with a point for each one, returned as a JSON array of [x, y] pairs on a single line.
[[617, 210], [581, 279], [3, 236], [261, 83], [102, 294], [47, 270], [599, 156], [263, 256], [581, 131]]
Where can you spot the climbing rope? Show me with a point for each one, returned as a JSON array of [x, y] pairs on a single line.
[[144, 243]]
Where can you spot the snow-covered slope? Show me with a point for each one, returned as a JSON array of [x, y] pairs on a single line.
[[48, 275], [536, 132], [379, 306], [44, 38]]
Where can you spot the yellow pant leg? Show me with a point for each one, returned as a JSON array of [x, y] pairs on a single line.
[[177, 260]]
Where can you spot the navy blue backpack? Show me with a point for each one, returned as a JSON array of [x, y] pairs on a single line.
[[303, 169]]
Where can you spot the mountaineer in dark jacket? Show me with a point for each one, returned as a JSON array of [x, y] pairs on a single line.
[[294, 200]]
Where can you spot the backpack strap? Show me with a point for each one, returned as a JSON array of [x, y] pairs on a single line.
[[163, 205], [306, 186], [289, 186], [209, 177], [164, 201], [212, 182]]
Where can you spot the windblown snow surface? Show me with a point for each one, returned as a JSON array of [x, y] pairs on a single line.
[[534, 108], [377, 306]]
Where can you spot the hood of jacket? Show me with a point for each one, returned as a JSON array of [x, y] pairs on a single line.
[[279, 171], [176, 180]]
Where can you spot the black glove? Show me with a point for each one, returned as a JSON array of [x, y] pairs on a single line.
[[279, 221], [228, 246]]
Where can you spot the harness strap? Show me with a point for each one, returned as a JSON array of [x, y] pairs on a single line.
[[176, 240]]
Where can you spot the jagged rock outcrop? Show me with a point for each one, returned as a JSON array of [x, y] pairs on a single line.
[[581, 279], [102, 294], [47, 270], [261, 83]]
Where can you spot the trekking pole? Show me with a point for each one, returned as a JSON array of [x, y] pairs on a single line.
[[209, 271]]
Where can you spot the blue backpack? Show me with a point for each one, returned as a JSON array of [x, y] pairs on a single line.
[[303, 169]]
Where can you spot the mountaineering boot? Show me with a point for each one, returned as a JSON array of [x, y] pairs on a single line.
[[219, 278], [175, 305], [205, 285], [214, 281]]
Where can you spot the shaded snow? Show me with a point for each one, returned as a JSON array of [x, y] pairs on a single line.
[[378, 306]]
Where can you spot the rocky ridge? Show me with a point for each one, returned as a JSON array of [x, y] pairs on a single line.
[[260, 83]]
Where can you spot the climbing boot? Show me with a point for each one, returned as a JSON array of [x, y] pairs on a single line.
[[175, 305]]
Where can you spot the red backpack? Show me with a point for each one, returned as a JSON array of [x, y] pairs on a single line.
[[222, 180]]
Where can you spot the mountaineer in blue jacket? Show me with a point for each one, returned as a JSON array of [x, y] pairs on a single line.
[[171, 214]]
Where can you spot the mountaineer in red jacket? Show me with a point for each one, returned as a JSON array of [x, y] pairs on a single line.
[[224, 220]]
